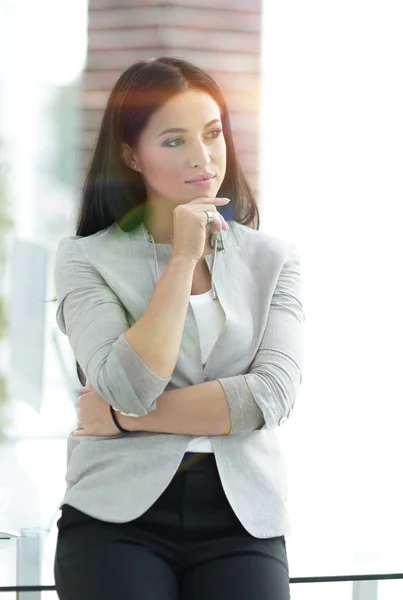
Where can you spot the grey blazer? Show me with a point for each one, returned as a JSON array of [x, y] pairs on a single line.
[[104, 283]]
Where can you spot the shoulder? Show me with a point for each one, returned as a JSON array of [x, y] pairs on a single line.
[[76, 264], [68, 246], [78, 248], [265, 245], [75, 261]]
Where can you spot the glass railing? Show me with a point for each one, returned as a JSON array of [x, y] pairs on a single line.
[[26, 559], [361, 587]]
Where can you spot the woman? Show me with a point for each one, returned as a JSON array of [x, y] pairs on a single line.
[[187, 324]]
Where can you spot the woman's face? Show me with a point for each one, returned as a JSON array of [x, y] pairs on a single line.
[[181, 154]]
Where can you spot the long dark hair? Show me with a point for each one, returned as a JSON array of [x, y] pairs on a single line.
[[114, 193]]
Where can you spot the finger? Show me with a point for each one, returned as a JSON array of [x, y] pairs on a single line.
[[223, 222], [219, 201], [206, 214], [86, 389], [213, 200], [218, 223]]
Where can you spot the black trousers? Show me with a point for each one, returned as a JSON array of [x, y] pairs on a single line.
[[188, 545]]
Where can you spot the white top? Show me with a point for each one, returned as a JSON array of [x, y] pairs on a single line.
[[210, 319]]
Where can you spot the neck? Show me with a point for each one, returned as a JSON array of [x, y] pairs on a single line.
[[159, 223]]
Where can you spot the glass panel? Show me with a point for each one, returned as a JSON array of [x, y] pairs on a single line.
[[334, 171], [38, 189], [390, 590], [319, 591], [331, 181]]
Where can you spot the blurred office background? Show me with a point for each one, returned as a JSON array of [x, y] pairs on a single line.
[[315, 91]]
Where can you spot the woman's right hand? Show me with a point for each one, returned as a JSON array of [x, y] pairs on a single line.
[[190, 225]]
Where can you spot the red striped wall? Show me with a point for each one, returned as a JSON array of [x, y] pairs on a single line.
[[221, 36]]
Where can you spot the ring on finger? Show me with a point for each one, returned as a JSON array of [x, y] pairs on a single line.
[[210, 216]]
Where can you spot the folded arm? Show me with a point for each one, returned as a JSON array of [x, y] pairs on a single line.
[[243, 403], [200, 409]]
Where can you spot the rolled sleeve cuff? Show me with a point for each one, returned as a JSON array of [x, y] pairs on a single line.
[[245, 414], [147, 385]]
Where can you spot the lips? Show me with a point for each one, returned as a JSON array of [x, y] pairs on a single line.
[[201, 178]]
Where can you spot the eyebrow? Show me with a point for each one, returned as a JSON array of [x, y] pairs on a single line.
[[181, 130]]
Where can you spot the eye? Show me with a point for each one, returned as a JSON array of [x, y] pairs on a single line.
[[214, 134], [173, 143]]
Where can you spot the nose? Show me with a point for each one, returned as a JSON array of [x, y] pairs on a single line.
[[199, 155]]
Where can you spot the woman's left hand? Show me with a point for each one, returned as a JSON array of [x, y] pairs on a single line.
[[94, 415]]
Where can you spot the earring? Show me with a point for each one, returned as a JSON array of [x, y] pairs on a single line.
[[134, 165]]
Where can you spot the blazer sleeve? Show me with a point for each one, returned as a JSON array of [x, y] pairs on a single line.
[[267, 393], [94, 319]]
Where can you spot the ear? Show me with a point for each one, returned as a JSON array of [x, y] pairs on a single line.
[[128, 157]]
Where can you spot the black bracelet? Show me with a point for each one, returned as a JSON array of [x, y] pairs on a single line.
[[115, 420]]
